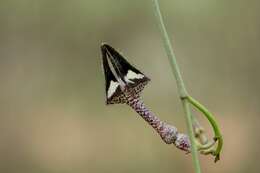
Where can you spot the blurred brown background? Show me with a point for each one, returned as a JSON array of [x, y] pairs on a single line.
[[53, 116]]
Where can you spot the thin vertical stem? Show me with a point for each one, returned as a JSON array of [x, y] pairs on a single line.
[[180, 84], [195, 157], [168, 48]]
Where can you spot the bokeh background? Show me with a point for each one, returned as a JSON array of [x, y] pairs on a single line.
[[53, 116]]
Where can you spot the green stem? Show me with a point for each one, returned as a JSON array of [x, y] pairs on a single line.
[[213, 122], [180, 84], [169, 51], [195, 157]]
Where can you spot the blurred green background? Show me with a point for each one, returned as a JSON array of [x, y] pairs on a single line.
[[53, 116]]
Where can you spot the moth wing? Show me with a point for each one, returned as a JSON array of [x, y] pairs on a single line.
[[114, 94], [131, 76]]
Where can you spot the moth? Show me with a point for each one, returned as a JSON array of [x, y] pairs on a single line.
[[124, 84]]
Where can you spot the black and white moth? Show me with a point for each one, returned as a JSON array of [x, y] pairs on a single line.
[[120, 74], [124, 84]]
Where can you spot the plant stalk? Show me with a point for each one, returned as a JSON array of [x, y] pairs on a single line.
[[180, 84]]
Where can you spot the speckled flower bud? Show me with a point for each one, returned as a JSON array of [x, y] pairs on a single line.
[[168, 133], [182, 142]]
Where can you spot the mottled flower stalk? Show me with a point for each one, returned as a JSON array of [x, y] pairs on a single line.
[[168, 133]]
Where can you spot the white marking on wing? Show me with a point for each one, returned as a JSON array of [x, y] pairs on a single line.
[[132, 75], [112, 88]]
